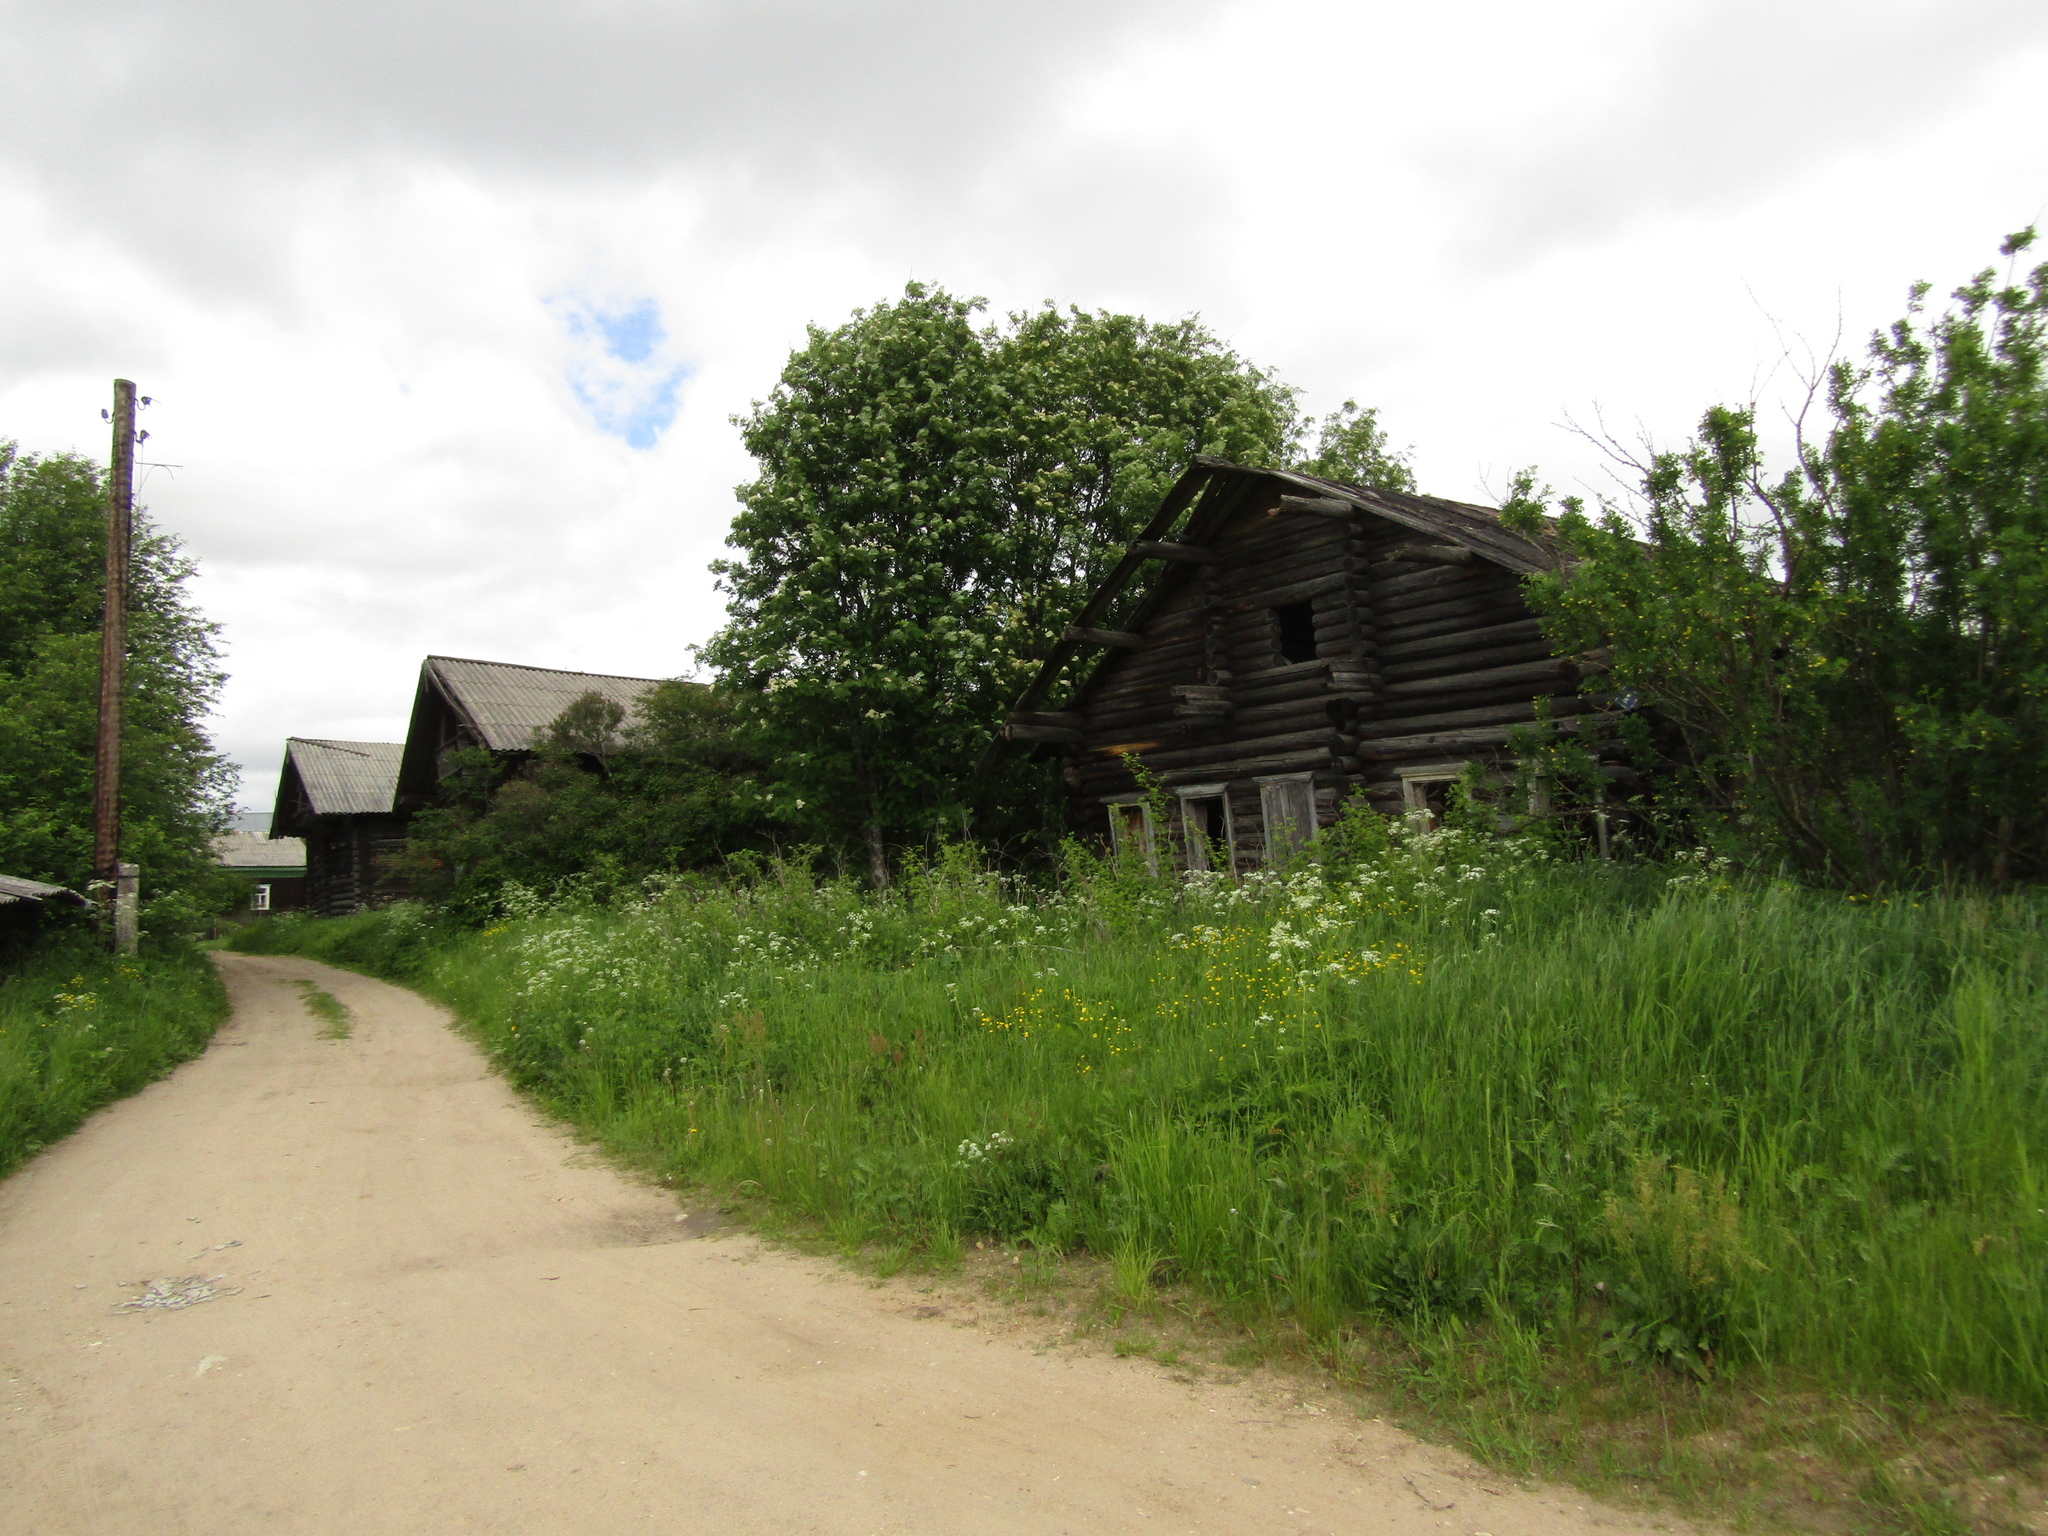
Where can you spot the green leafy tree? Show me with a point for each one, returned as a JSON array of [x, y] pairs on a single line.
[[936, 497], [175, 789], [1352, 446], [1848, 657], [603, 801]]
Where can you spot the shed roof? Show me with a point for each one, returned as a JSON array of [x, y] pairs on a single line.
[[507, 704], [345, 778], [15, 888]]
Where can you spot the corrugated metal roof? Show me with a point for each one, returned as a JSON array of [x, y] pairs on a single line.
[[247, 850], [346, 778], [508, 704], [15, 888]]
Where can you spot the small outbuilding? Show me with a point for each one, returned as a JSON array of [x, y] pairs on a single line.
[[272, 870], [26, 906], [339, 798], [1274, 643]]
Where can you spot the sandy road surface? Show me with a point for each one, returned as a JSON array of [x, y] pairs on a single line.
[[443, 1319]]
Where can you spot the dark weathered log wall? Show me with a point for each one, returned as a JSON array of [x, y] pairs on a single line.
[[344, 863], [1418, 661]]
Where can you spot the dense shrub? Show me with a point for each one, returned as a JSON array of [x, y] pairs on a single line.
[[175, 788], [1846, 659]]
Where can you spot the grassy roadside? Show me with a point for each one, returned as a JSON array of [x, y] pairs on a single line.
[[80, 1028], [1643, 1178]]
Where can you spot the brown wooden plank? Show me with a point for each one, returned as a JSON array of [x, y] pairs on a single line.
[[1016, 731], [1321, 506], [1549, 669], [1388, 748], [1397, 616], [1388, 583], [1430, 554], [1274, 597], [1452, 662], [1479, 636], [1410, 723], [1168, 549], [1120, 638]]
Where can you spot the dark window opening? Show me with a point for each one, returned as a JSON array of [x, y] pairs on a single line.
[[1208, 833], [1297, 625]]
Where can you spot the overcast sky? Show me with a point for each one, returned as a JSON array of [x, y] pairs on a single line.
[[445, 307]]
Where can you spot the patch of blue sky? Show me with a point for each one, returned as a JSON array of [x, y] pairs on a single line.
[[620, 369]]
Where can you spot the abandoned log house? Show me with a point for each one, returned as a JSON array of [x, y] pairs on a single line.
[[339, 797], [496, 705], [1273, 642]]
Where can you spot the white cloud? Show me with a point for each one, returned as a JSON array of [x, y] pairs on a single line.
[[378, 264]]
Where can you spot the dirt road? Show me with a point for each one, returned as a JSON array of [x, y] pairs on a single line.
[[432, 1315]]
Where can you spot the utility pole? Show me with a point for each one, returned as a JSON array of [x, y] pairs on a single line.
[[106, 790]]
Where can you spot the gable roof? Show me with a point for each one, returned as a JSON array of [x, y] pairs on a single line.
[[505, 704], [344, 778], [500, 704], [1212, 491]]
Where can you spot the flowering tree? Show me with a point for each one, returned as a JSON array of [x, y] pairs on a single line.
[[935, 498]]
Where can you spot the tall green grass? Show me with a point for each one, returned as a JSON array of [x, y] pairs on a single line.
[[79, 1028], [1679, 1119]]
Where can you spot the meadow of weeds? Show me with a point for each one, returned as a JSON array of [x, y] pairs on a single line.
[[80, 1027], [1439, 1080]]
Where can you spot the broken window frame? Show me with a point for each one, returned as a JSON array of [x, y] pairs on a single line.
[[1121, 823], [1219, 855]]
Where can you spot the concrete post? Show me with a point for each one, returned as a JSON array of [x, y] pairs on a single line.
[[127, 908]]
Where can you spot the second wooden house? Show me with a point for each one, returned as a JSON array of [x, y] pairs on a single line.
[[339, 797], [1274, 643], [500, 706]]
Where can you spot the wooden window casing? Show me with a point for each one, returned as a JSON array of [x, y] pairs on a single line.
[[1425, 792], [1287, 803]]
